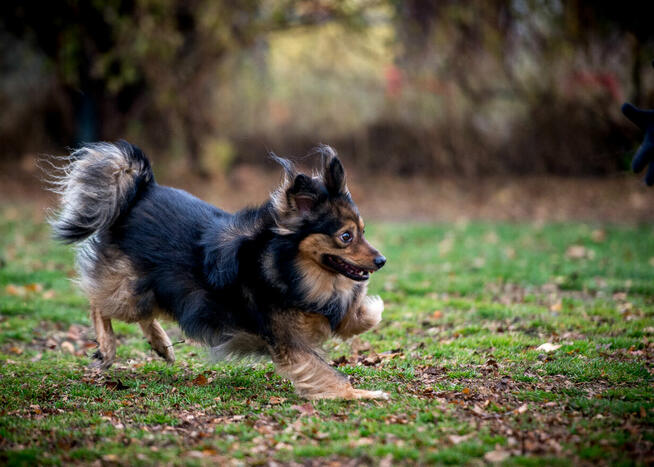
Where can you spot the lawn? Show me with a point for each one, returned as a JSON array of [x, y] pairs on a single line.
[[461, 350]]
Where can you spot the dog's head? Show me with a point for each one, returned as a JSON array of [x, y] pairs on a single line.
[[319, 211]]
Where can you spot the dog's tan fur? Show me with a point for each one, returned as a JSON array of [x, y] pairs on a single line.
[[296, 358], [110, 289]]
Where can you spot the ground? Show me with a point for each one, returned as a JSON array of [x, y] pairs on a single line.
[[520, 343]]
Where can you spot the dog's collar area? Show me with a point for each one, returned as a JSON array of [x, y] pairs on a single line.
[[341, 266]]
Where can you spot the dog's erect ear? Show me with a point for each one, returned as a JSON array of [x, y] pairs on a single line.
[[302, 195], [332, 171]]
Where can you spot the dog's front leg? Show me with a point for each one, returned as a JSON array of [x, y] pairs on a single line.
[[313, 377], [362, 316]]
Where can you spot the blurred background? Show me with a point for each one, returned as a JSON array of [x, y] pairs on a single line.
[[440, 110]]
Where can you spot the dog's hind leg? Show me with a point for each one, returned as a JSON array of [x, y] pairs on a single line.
[[104, 334], [158, 339]]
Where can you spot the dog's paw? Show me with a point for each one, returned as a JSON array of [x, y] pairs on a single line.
[[374, 307], [363, 394], [348, 394]]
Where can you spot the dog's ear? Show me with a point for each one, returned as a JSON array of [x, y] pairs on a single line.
[[303, 195], [332, 171]]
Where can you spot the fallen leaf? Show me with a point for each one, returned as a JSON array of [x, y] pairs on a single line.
[[498, 455], [275, 400], [115, 385], [579, 252], [51, 343], [371, 360], [438, 314], [49, 294], [304, 409], [558, 306], [548, 347], [67, 347], [456, 439], [74, 333], [522, 409], [34, 287], [14, 290], [200, 380], [15, 350], [598, 235], [362, 442], [466, 391]]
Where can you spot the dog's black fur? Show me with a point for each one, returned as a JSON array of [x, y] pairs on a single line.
[[219, 275]]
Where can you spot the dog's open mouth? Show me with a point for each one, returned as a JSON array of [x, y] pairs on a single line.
[[343, 267]]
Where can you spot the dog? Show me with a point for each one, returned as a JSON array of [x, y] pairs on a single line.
[[275, 280]]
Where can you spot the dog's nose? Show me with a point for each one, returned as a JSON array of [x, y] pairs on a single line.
[[380, 261]]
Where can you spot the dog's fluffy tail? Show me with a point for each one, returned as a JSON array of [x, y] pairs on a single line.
[[99, 184]]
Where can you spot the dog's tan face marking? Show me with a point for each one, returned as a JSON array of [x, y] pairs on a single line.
[[348, 243]]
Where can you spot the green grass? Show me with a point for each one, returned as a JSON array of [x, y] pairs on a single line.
[[467, 305]]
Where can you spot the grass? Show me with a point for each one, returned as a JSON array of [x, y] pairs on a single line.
[[467, 307]]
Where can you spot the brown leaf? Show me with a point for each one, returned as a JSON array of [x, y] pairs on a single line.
[[341, 361], [200, 380], [275, 400], [522, 409], [437, 314], [34, 287], [115, 385], [15, 350], [598, 235], [49, 294], [67, 347], [305, 409], [14, 290], [51, 343], [74, 332], [496, 456], [456, 439], [579, 252], [371, 360]]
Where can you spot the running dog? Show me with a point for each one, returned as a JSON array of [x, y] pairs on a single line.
[[275, 280]]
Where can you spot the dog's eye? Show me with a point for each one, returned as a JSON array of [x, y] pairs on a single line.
[[346, 237]]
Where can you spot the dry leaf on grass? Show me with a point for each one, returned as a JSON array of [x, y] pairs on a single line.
[[304, 409], [456, 439], [579, 252], [496, 456], [548, 347], [200, 380], [115, 385], [522, 409], [67, 347]]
